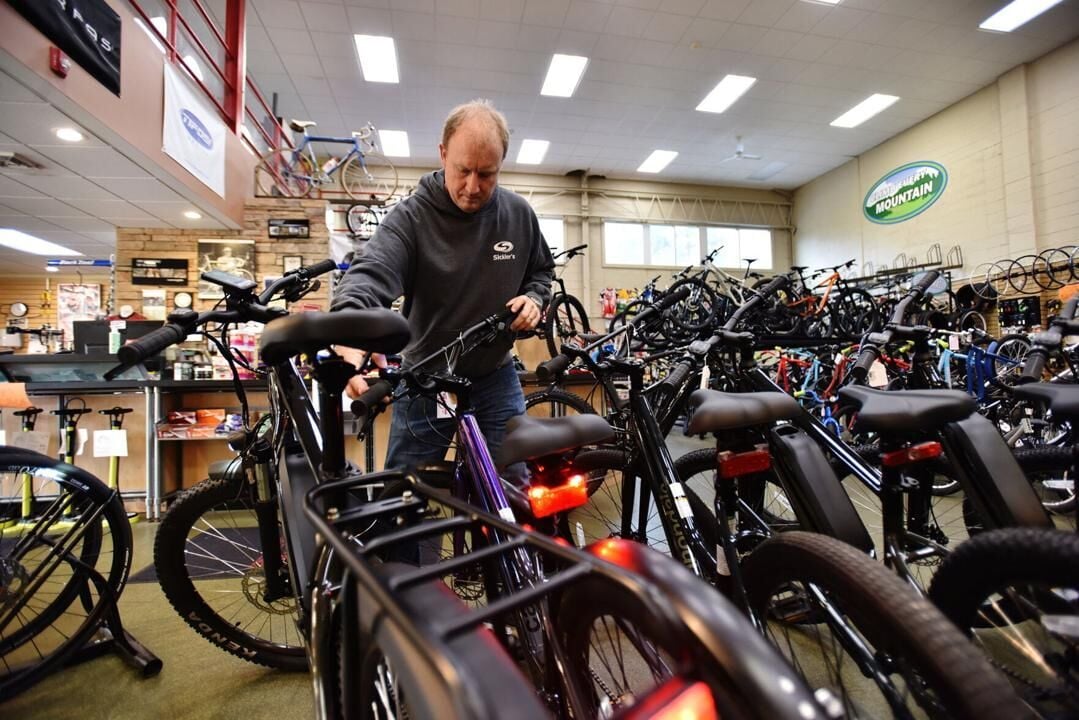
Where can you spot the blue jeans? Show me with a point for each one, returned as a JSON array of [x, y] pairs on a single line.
[[418, 436]]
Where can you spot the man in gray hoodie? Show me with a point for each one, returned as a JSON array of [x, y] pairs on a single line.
[[459, 249]]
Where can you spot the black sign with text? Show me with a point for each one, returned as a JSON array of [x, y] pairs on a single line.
[[87, 30], [299, 228], [158, 271]]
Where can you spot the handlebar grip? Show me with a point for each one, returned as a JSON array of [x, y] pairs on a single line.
[[320, 268], [928, 279], [371, 397], [1068, 311], [774, 285], [679, 374], [672, 298], [151, 344], [1034, 365], [549, 370], [866, 357]]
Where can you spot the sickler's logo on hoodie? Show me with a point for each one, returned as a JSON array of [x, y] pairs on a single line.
[[503, 251]]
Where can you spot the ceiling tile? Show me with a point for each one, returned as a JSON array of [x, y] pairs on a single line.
[[94, 162], [778, 43], [628, 22], [538, 39], [13, 187], [68, 187], [765, 12], [551, 13], [280, 14], [300, 65], [810, 48], [502, 10], [292, 41], [804, 16], [85, 224], [369, 21], [460, 8], [588, 16], [575, 42], [727, 10], [665, 27], [46, 207], [742, 38], [320, 16], [413, 26]]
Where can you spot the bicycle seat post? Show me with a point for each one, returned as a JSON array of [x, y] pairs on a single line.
[[332, 374]]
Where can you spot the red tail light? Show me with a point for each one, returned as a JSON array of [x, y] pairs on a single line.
[[733, 465], [548, 500], [675, 700], [912, 454]]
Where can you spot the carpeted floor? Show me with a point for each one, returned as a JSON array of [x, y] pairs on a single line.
[[198, 680]]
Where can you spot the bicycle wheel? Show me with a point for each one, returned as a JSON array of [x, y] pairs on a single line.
[[821, 599], [209, 563], [699, 309], [1007, 362], [1020, 272], [855, 312], [602, 517], [361, 220], [374, 178], [555, 403], [564, 320], [1049, 470], [996, 278], [285, 174], [971, 320], [62, 567], [1051, 269], [1014, 592]]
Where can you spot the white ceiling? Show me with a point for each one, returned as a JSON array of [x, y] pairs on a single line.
[[85, 191], [652, 61]]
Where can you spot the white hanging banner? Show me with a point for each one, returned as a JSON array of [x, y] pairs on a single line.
[[193, 134]]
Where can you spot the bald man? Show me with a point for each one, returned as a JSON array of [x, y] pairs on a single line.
[[459, 249]]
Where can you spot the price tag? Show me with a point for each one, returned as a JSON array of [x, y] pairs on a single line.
[[35, 440], [878, 374], [446, 405], [706, 376], [110, 443], [3, 437], [81, 436], [953, 342]]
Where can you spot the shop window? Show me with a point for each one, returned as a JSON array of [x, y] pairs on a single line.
[[623, 243], [680, 245], [554, 232]]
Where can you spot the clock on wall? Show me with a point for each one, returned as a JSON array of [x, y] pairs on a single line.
[[182, 299], [18, 309]]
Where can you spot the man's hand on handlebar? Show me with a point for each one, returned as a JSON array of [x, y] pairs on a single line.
[[528, 313], [357, 385]]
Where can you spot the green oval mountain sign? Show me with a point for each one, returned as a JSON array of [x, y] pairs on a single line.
[[905, 192]]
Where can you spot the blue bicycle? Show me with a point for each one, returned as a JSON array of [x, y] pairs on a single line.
[[365, 174]]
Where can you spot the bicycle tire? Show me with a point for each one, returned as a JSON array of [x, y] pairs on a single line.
[[899, 625], [996, 277], [53, 604], [1054, 264], [971, 320], [856, 312], [1002, 581], [1019, 275], [361, 220], [1013, 346], [277, 172], [1056, 463], [378, 187], [197, 561], [553, 403], [699, 310], [565, 319]]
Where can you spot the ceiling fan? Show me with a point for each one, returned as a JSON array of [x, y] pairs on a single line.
[[740, 152]]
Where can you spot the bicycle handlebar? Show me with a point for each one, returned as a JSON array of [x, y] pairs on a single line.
[[549, 370], [775, 285], [1042, 344], [375, 393]]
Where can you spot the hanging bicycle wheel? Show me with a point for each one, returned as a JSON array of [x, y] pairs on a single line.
[[1007, 361], [971, 320], [1052, 269], [1021, 273], [284, 173], [65, 552], [361, 220], [372, 178]]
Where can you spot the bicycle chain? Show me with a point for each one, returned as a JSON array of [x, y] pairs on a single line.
[[603, 686]]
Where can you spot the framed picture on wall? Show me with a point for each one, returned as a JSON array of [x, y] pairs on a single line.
[[291, 262], [76, 301], [235, 257]]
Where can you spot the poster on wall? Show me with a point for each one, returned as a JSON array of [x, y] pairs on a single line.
[[905, 192], [158, 271], [87, 30], [76, 301], [235, 257], [153, 304], [193, 134]]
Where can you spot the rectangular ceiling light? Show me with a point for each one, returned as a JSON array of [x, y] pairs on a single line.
[[36, 246], [769, 170], [378, 58], [658, 160], [825, 2], [864, 110], [394, 143], [1017, 13], [532, 151], [725, 93], [563, 75]]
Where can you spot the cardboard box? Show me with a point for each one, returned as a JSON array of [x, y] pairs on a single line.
[[181, 417], [210, 416]]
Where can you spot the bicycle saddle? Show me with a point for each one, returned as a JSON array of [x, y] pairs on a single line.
[[301, 125], [116, 411], [799, 268], [28, 412], [77, 412], [717, 410], [1063, 400], [528, 437], [375, 330], [906, 410]]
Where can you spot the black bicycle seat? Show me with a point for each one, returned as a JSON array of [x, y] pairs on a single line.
[[528, 437], [300, 125], [717, 410], [905, 411], [28, 412], [375, 330], [116, 411], [1063, 400], [799, 268], [76, 412]]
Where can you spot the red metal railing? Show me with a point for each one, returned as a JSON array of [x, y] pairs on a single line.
[[233, 104]]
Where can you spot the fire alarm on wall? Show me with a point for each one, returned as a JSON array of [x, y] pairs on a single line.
[[59, 63]]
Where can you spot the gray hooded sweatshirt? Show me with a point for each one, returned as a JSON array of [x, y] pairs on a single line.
[[454, 268]]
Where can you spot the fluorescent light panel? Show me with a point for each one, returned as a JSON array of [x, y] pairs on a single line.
[[68, 134], [825, 2], [658, 160], [1017, 13], [864, 110], [394, 143], [563, 75], [192, 215], [726, 93], [29, 244], [532, 151], [378, 58]]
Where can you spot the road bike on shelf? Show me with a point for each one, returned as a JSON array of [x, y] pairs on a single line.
[[363, 173]]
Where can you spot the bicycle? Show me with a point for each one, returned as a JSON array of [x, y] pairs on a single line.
[[257, 544], [295, 172], [565, 318], [853, 311]]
